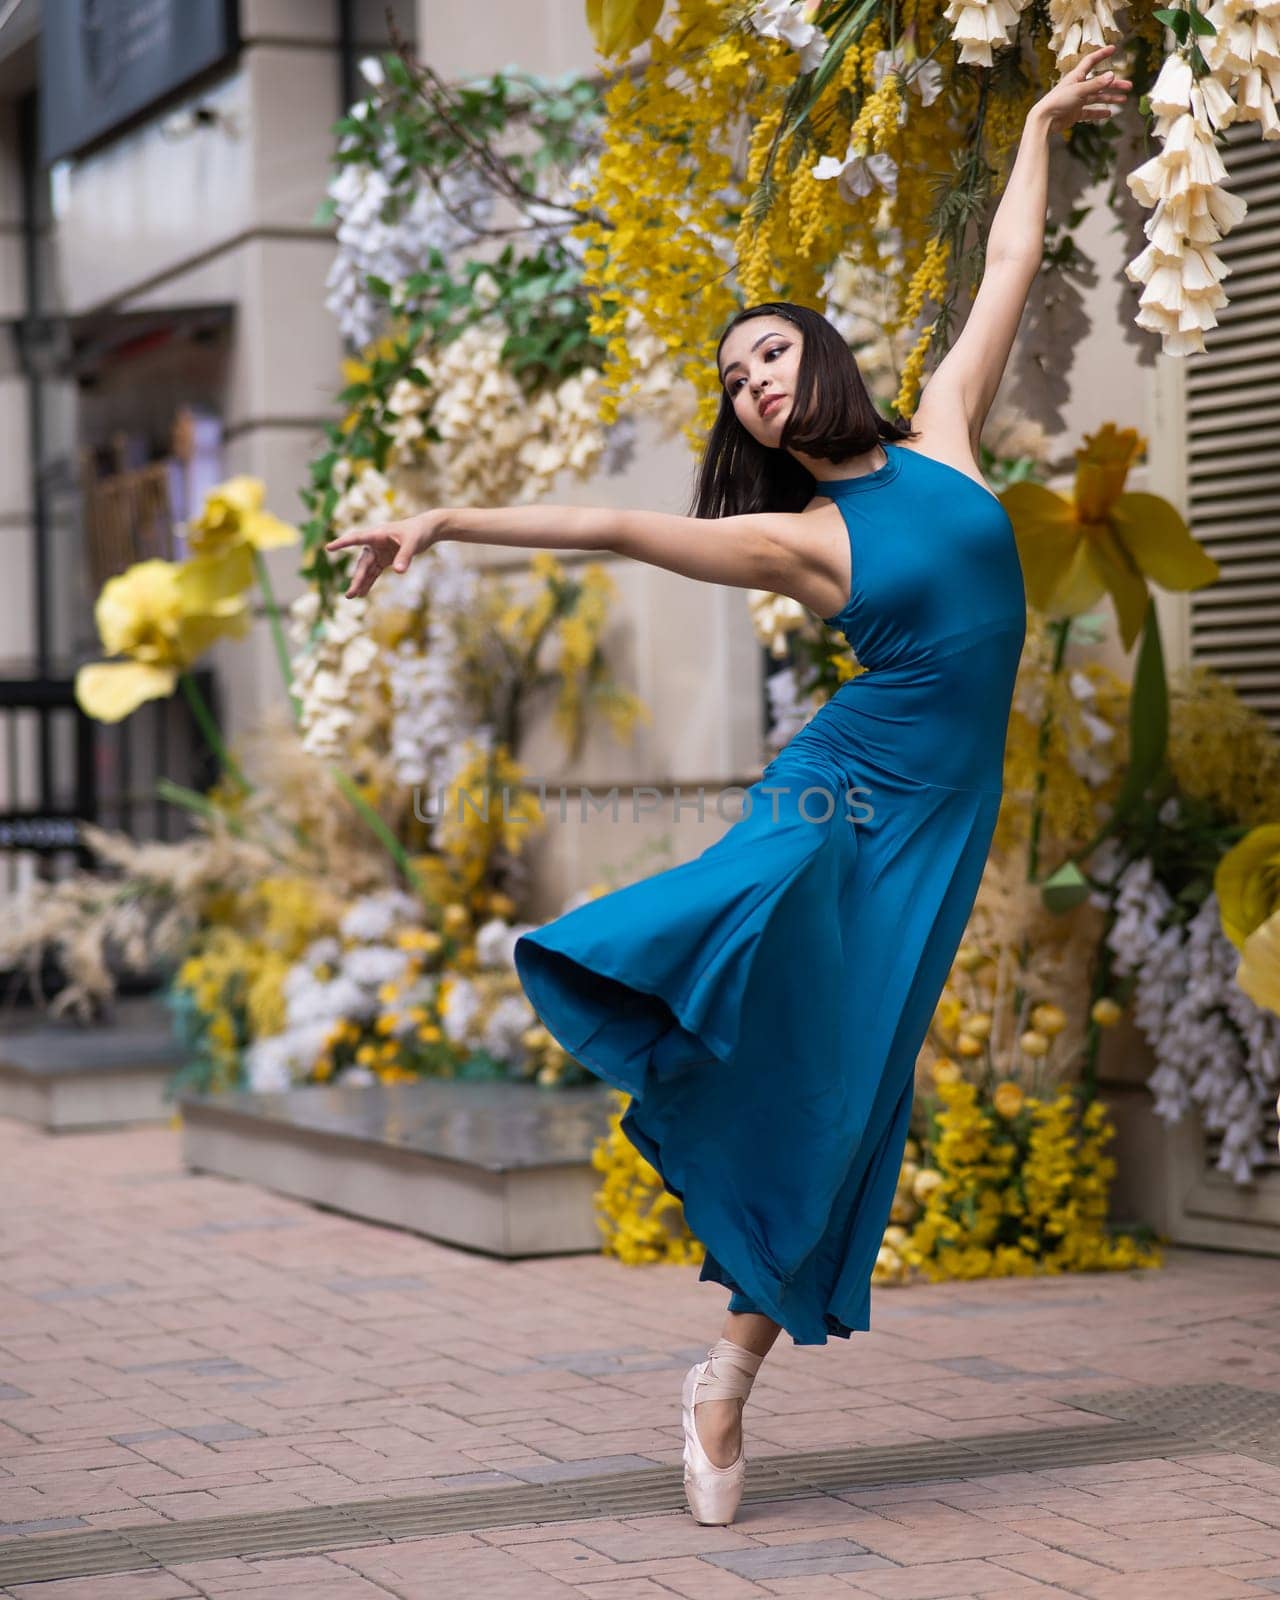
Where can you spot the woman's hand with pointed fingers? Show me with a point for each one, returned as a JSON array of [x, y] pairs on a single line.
[[390, 545], [1077, 97]]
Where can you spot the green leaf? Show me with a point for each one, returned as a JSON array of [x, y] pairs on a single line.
[[1200, 24], [1177, 21], [1064, 889], [1148, 716]]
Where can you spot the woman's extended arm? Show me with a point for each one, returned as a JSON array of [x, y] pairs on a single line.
[[761, 550], [956, 399]]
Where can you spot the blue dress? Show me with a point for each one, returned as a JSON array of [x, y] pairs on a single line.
[[764, 1003]]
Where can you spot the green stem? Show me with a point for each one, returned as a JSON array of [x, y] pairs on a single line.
[[1061, 630], [398, 852], [209, 729], [277, 632]]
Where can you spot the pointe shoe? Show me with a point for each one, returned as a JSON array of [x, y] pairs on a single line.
[[727, 1373]]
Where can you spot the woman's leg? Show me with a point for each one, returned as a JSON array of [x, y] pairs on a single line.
[[719, 1422]]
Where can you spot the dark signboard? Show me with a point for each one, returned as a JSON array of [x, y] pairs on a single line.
[[103, 62]]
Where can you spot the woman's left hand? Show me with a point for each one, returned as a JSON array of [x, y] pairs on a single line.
[[1077, 97]]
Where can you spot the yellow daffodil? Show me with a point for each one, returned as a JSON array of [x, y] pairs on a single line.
[[162, 615], [233, 516], [1247, 884], [621, 26], [1103, 540]]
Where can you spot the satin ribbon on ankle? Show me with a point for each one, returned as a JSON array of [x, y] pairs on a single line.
[[728, 1372]]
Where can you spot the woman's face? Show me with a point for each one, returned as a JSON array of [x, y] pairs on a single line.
[[759, 366]]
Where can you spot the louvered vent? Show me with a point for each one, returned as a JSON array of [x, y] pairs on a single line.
[[1233, 441]]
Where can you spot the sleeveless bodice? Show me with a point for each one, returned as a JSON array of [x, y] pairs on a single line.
[[936, 615]]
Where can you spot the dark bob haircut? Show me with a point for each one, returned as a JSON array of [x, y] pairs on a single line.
[[832, 417]]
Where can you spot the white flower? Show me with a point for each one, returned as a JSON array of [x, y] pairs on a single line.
[[460, 1008], [374, 916], [792, 22], [857, 175], [1078, 27], [1214, 1049], [925, 77], [1180, 272], [1171, 92], [496, 939], [500, 1036], [978, 26], [371, 71]]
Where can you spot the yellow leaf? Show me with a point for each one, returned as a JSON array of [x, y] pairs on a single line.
[[1161, 543], [110, 690], [621, 26]]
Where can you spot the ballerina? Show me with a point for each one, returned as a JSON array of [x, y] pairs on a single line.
[[763, 1004]]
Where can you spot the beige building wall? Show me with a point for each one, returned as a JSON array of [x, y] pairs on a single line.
[[219, 215]]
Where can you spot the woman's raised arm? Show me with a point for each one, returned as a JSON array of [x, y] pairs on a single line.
[[956, 399], [760, 550]]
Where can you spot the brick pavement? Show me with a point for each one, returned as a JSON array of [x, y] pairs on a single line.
[[176, 1346]]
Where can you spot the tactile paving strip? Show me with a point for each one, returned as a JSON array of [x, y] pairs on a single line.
[[1229, 1415], [40, 1558]]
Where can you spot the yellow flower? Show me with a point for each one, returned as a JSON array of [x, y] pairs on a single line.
[[1048, 1018], [1008, 1098], [1247, 882], [978, 1025], [945, 1070], [968, 1045], [1103, 540], [163, 615], [969, 958], [233, 515], [1106, 1012], [1034, 1043]]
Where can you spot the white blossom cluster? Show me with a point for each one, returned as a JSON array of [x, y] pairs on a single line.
[[1179, 270], [389, 234], [434, 730], [1243, 56], [1079, 27], [981, 26], [792, 22], [1214, 1048], [338, 980], [328, 671]]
